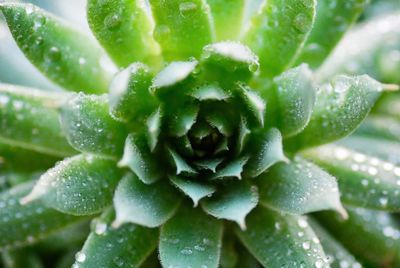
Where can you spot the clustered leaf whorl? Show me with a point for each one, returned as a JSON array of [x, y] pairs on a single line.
[[206, 151]]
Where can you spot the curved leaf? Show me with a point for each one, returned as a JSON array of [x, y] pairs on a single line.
[[332, 20], [63, 54], [197, 243], [193, 189], [127, 246], [233, 168], [374, 235], [147, 205], [299, 187], [380, 127], [279, 31], [233, 203], [89, 127], [364, 181], [274, 240], [124, 28], [81, 185], [182, 28], [340, 108], [29, 122], [22, 225]]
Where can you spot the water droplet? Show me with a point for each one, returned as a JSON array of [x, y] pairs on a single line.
[[186, 251], [302, 223], [306, 245], [100, 228], [383, 201], [54, 54], [112, 21], [187, 8], [319, 264], [301, 23], [80, 257], [162, 32]]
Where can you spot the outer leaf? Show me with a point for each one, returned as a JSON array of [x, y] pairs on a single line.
[[124, 28], [299, 187], [274, 240], [127, 246], [340, 108], [90, 128], [332, 20], [376, 54], [228, 16], [64, 55], [140, 160], [380, 127], [197, 244], [265, 150], [294, 97], [374, 235], [278, 32], [364, 181], [193, 189], [81, 185], [130, 99], [337, 254], [21, 225], [27, 121], [182, 28], [23, 258], [233, 203], [229, 253], [147, 205]]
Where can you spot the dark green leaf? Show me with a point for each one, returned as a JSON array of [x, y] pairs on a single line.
[[63, 54], [191, 238], [278, 32], [279, 240], [147, 205], [128, 246], [81, 185], [90, 128], [193, 189], [21, 258], [124, 28], [233, 203]]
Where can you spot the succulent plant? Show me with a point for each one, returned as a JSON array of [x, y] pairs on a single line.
[[203, 134]]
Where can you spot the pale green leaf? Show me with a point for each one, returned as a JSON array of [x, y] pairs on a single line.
[[233, 168], [181, 120], [274, 240], [299, 187], [278, 32], [63, 54], [210, 92], [254, 105], [147, 205], [80, 185], [332, 21], [380, 127], [140, 160], [181, 166], [128, 246], [195, 190], [22, 225], [124, 28], [364, 181], [154, 123], [233, 203], [29, 121], [89, 127], [182, 28], [191, 238], [340, 108]]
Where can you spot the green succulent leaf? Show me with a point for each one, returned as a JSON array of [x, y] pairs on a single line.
[[29, 121], [182, 119], [129, 97], [340, 108], [231, 169], [147, 205], [89, 127], [339, 256], [124, 28], [254, 104], [63, 54], [280, 26], [127, 246], [229, 254], [193, 189], [210, 92], [233, 203], [364, 181], [266, 150], [299, 187], [140, 160], [22, 225], [21, 258], [332, 20], [182, 167], [380, 127], [374, 235], [153, 124], [273, 239], [294, 96], [228, 16], [182, 28], [197, 244], [80, 185]]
